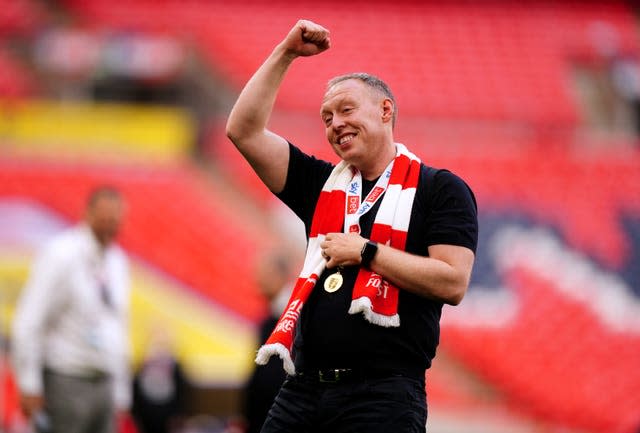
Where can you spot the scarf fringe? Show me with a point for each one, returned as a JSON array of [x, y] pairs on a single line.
[[363, 305], [268, 350]]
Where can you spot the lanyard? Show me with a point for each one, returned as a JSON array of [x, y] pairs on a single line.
[[101, 280], [354, 209]]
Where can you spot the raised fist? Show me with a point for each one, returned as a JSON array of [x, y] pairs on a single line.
[[307, 38]]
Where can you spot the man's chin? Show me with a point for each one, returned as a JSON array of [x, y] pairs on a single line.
[[105, 240], [343, 153]]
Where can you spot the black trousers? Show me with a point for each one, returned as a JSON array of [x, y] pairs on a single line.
[[392, 404]]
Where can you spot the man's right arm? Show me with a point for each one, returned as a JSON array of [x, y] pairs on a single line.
[[268, 153], [32, 313]]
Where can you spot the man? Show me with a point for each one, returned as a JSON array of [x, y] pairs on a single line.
[[70, 349], [160, 387], [273, 275], [390, 241]]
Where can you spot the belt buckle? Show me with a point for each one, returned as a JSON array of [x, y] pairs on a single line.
[[331, 375]]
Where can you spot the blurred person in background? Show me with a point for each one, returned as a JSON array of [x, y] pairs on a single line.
[[273, 275], [390, 240], [70, 344], [160, 388]]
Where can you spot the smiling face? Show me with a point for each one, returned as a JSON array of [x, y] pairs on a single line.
[[358, 124]]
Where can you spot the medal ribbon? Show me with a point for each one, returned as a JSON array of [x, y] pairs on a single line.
[[354, 209]]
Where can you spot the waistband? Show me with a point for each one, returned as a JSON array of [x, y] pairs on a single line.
[[344, 375], [89, 375]]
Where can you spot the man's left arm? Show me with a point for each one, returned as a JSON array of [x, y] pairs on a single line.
[[445, 273], [443, 276]]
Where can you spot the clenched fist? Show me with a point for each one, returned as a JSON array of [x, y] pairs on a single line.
[[306, 38]]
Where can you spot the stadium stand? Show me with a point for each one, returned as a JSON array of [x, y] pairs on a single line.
[[18, 19], [175, 221], [485, 90], [21, 17], [15, 81], [509, 72]]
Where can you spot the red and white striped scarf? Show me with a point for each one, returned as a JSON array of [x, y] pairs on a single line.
[[373, 296]]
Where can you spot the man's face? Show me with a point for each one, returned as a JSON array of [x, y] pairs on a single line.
[[352, 114], [104, 217]]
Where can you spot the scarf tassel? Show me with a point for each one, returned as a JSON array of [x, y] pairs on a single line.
[[279, 349], [363, 305]]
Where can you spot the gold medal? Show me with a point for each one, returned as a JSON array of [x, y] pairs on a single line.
[[333, 282]]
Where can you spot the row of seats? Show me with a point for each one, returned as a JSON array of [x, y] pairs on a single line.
[[461, 59], [557, 359], [21, 17], [15, 80], [18, 18]]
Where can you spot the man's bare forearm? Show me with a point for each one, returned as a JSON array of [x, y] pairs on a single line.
[[267, 152], [252, 110]]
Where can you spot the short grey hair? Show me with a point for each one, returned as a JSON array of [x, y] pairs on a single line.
[[371, 81]]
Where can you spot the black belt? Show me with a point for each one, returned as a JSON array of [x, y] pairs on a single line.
[[340, 375]]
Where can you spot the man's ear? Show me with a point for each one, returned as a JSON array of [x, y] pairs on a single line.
[[387, 110]]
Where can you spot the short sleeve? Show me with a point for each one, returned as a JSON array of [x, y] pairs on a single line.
[[453, 216]]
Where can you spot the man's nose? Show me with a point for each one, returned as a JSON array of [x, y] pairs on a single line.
[[337, 122]]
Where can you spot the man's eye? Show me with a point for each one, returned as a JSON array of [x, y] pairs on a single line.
[[327, 120]]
